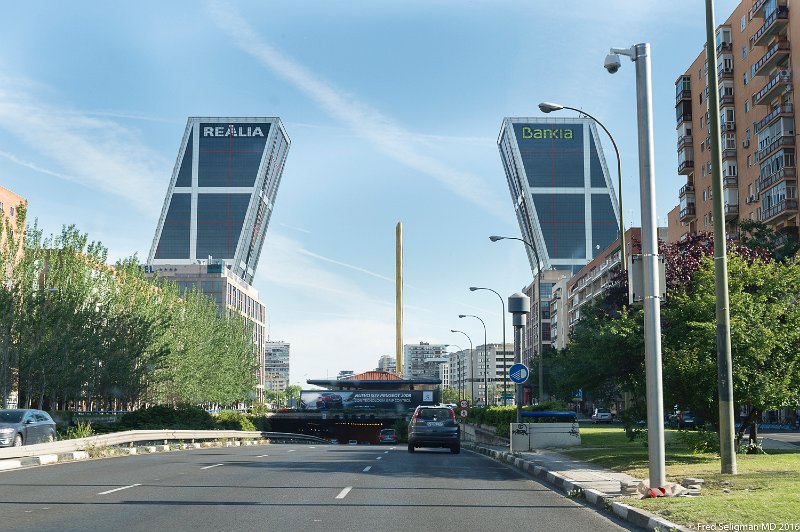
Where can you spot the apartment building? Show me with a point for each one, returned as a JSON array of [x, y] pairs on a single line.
[[755, 87]]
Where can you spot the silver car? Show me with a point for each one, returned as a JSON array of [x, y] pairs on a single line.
[[25, 427]]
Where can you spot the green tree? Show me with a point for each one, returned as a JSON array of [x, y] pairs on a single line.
[[765, 339]]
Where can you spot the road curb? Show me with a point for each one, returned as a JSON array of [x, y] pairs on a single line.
[[635, 516]]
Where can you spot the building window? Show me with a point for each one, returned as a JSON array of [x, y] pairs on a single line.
[[744, 51], [745, 78], [743, 23], [747, 106], [703, 146], [704, 195]]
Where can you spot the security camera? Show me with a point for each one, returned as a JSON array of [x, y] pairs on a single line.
[[612, 63]]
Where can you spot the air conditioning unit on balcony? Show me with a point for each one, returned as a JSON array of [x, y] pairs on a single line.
[[785, 74], [752, 198]]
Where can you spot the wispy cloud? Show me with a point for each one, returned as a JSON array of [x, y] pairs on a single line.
[[97, 153], [293, 228], [369, 123]]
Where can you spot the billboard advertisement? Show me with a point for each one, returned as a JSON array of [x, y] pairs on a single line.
[[399, 400]]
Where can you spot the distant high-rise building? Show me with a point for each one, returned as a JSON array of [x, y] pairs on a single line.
[[222, 193], [422, 360], [387, 363], [276, 366], [561, 189]]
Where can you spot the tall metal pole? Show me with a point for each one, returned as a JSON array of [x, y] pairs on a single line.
[[724, 363], [652, 304], [399, 298], [471, 366], [505, 366]]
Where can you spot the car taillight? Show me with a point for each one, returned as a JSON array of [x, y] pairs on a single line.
[[452, 415]]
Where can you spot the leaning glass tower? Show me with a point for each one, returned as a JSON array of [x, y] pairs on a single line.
[[561, 189], [221, 194]]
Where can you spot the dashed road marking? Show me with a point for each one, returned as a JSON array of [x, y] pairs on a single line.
[[385, 452], [378, 458], [262, 456], [367, 468], [209, 467], [344, 492], [290, 451], [118, 489]]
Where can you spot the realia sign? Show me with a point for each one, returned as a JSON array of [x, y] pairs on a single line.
[[232, 130]]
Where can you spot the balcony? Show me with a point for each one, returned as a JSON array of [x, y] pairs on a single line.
[[688, 188], [780, 81], [687, 213], [685, 116], [776, 53], [780, 142], [724, 46], [685, 141], [779, 211], [729, 153], [731, 212], [774, 23], [728, 125], [686, 167], [757, 11], [726, 100], [778, 111], [725, 73], [787, 172], [730, 181]]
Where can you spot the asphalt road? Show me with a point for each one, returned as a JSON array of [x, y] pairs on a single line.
[[288, 487]]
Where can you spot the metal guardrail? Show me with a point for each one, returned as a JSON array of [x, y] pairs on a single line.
[[135, 436]]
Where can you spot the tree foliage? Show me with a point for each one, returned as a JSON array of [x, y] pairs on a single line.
[[77, 333]]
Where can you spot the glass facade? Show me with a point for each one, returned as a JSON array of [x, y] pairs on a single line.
[[560, 186], [222, 193]]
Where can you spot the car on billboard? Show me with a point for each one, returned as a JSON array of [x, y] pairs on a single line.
[[329, 400]]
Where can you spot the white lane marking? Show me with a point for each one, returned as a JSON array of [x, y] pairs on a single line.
[[311, 447], [378, 458], [385, 452], [210, 466], [290, 451], [118, 489], [262, 456], [344, 492], [367, 468]]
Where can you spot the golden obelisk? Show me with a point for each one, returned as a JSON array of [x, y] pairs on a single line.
[[399, 297]]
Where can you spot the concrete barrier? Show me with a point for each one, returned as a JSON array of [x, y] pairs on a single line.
[[530, 436]]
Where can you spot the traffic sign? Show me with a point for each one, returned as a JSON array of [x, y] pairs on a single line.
[[464, 403], [518, 373], [464, 413]]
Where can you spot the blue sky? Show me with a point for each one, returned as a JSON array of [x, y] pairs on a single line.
[[393, 109]]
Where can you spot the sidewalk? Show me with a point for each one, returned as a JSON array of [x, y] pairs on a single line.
[[600, 487]]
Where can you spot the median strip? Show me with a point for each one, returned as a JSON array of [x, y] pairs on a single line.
[[209, 467], [344, 492], [118, 489]]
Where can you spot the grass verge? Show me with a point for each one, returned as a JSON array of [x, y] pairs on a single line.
[[766, 490]]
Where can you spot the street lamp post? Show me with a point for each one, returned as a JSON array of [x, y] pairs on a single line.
[[549, 107], [640, 54], [471, 365], [505, 369], [485, 359], [539, 266]]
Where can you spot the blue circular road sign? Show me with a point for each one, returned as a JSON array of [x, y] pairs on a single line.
[[518, 373]]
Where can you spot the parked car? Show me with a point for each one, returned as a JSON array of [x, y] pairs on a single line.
[[388, 436], [685, 419], [602, 415], [434, 426], [25, 427], [329, 400]]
